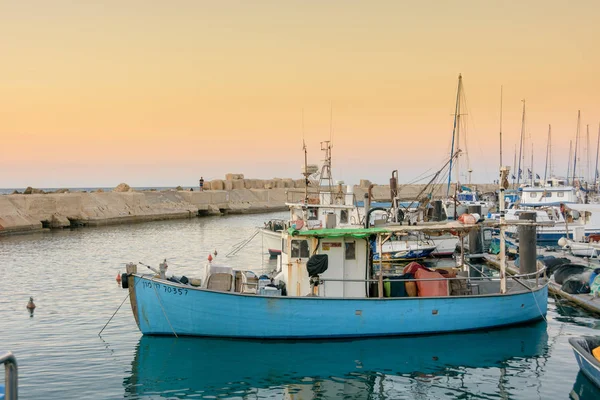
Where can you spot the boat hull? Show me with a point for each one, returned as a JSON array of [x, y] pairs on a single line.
[[272, 241], [587, 363], [166, 308]]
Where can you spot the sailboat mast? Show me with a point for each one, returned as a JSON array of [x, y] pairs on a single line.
[[596, 169], [587, 152], [547, 154], [576, 144], [570, 159], [454, 134], [500, 126], [531, 171], [521, 155], [514, 166]]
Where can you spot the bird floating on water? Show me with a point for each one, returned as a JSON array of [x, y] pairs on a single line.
[[30, 304]]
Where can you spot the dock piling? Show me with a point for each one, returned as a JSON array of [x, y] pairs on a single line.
[[527, 244]]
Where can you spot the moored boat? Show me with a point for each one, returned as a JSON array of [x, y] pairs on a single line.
[[589, 365]]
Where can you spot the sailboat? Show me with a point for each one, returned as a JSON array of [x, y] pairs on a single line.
[[464, 196]]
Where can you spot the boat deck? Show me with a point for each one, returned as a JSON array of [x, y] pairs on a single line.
[[586, 301]]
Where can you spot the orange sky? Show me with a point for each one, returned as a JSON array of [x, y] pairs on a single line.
[[159, 93]]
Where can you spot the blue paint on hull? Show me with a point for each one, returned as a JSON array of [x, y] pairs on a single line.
[[165, 308]]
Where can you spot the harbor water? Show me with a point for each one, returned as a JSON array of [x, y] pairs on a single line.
[[71, 276]]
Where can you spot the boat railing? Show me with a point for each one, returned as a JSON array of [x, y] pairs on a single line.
[[529, 281], [10, 375]]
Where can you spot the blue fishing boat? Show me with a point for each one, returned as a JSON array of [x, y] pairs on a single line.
[[589, 365], [328, 286]]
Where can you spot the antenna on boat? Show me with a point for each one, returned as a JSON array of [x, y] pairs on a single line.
[[305, 172]]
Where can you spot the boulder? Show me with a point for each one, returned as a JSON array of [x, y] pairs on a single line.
[[61, 191], [231, 177], [228, 185], [216, 184], [238, 184], [122, 187], [365, 183], [100, 190], [288, 183], [179, 188], [31, 190], [16, 192], [59, 221]]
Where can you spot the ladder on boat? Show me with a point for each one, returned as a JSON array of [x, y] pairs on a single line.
[[9, 391]]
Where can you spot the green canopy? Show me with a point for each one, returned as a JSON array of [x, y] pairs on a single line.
[[358, 233]]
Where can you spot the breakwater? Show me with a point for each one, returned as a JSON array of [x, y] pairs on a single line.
[[20, 213]]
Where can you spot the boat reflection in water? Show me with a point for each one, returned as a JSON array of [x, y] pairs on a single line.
[[185, 366], [584, 389]]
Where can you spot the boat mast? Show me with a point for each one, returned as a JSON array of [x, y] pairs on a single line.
[[514, 166], [576, 145], [548, 154], [503, 185], [596, 169], [455, 134], [587, 153], [570, 159], [500, 126], [531, 177], [306, 174], [521, 154]]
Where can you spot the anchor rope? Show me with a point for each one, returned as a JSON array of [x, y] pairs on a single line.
[[118, 308]]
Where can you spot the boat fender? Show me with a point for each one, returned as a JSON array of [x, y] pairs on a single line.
[[124, 281]]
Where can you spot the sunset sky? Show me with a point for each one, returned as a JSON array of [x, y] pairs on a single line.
[[159, 93]]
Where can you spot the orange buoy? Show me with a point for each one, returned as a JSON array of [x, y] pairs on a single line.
[[119, 277], [210, 258], [30, 304]]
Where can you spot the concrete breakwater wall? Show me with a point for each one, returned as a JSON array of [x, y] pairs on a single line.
[[33, 212]]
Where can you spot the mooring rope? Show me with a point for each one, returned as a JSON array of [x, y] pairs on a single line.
[[118, 308]]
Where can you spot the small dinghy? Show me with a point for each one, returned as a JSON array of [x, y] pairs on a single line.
[[589, 365]]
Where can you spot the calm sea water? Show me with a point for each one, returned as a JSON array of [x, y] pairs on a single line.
[[71, 275]]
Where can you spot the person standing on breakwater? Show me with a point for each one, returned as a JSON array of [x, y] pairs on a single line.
[[201, 184]]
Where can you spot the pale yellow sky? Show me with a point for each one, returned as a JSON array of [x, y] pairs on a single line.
[[159, 93]]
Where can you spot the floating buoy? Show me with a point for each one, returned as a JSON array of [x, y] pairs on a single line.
[[30, 304], [210, 258], [119, 277]]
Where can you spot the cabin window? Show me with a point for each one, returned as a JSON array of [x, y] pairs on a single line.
[[533, 195], [300, 249], [344, 216], [560, 194], [350, 253], [313, 214], [283, 246], [548, 194]]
